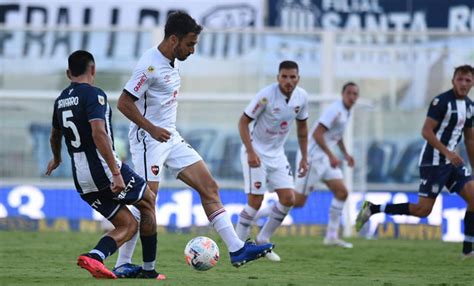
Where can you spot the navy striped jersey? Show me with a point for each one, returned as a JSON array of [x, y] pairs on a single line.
[[77, 105], [453, 116]]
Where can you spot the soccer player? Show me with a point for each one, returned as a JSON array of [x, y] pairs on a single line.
[[263, 158], [83, 116], [450, 114], [324, 164], [149, 100]]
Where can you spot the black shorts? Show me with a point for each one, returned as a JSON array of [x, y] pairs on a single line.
[[108, 203], [434, 178]]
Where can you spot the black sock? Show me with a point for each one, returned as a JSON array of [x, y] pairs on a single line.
[[149, 247], [468, 232], [107, 246], [374, 209], [400, 209]]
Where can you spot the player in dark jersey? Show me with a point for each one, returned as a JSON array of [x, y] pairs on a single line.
[[83, 116], [449, 116]]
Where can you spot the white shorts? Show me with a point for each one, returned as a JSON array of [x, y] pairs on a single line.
[[149, 156], [319, 170], [266, 178]]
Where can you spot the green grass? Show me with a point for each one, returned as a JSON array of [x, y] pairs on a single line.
[[32, 258]]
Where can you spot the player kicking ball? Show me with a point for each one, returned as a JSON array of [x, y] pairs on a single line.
[[83, 116], [450, 114]]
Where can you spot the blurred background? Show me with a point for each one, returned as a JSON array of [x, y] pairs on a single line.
[[400, 53]]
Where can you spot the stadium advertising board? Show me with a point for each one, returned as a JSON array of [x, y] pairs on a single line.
[[181, 209]]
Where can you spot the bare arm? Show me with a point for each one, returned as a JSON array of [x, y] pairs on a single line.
[[253, 159], [347, 156], [104, 145], [127, 106], [318, 135], [428, 133], [55, 142], [469, 142], [302, 132]]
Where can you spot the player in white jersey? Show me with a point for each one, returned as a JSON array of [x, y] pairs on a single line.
[[149, 100], [328, 132], [265, 166]]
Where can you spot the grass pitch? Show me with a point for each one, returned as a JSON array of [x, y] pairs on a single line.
[[32, 258]]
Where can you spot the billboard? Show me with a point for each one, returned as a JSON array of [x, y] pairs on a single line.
[[181, 208]]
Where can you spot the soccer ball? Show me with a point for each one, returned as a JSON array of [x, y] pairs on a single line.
[[201, 253]]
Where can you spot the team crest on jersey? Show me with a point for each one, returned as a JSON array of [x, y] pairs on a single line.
[[101, 99], [297, 109], [435, 189], [435, 101], [257, 185], [264, 100], [155, 170], [284, 125], [151, 69]]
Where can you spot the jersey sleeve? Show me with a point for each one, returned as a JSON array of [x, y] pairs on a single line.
[[328, 117], [437, 109], [303, 112], [55, 120], [96, 102], [257, 105], [469, 116], [139, 81]]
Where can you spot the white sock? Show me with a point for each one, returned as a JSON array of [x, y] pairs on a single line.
[[279, 213], [264, 212], [335, 213], [245, 222], [222, 224], [125, 251]]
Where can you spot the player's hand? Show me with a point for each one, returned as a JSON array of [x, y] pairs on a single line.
[[334, 161], [454, 158], [118, 184], [253, 160], [160, 134], [350, 160], [303, 168], [52, 165]]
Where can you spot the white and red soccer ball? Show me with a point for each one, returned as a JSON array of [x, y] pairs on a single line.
[[201, 253]]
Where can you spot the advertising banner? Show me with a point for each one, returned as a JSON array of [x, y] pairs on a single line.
[[181, 208]]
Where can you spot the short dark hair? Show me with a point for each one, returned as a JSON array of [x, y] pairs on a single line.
[[288, 65], [79, 61], [347, 84], [463, 69], [180, 24]]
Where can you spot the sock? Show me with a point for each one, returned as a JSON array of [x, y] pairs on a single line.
[[264, 212], [222, 224], [400, 209], [245, 222], [106, 247], [468, 232], [374, 209], [149, 251], [335, 213], [279, 212], [125, 252]]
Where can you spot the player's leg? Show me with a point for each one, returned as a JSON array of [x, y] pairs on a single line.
[[340, 193], [199, 178], [247, 216], [467, 194]]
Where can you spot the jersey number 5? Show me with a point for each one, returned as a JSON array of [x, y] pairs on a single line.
[[76, 143]]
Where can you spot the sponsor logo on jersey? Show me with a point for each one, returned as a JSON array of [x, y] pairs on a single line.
[[284, 125], [258, 185], [101, 99], [435, 101], [127, 189], [155, 170], [297, 109], [276, 110], [255, 108], [142, 80], [167, 78], [435, 189]]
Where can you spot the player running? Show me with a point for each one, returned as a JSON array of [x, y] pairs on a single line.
[[149, 100], [450, 114], [83, 116], [265, 166]]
